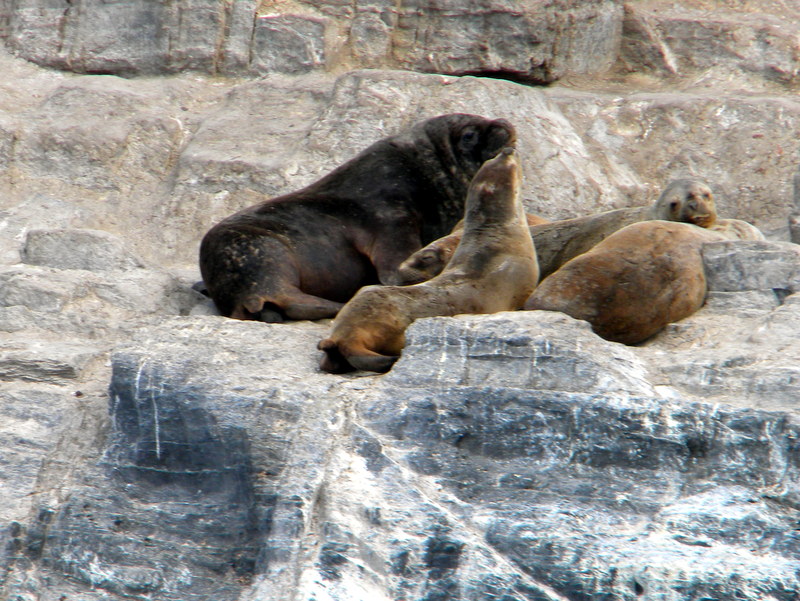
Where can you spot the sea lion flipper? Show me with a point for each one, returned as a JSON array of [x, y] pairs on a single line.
[[201, 288], [373, 362], [299, 305], [333, 362], [336, 362]]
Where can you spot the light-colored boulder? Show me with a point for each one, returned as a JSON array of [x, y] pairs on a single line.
[[91, 250], [713, 40]]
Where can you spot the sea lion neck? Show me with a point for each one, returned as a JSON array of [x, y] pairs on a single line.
[[493, 193]]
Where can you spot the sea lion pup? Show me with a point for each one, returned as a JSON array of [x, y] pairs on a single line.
[[686, 200], [301, 255], [634, 282], [429, 261], [493, 269]]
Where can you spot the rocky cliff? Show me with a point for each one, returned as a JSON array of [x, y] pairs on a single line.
[[150, 449]]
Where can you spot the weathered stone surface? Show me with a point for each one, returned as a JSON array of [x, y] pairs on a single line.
[[734, 266], [664, 136], [515, 457], [48, 362], [541, 349], [288, 44], [92, 250], [129, 37], [140, 292], [180, 462], [712, 40], [536, 40], [191, 152], [567, 469]]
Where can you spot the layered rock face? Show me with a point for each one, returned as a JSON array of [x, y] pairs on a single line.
[[535, 40], [150, 449]]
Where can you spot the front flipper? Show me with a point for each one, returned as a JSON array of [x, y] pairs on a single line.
[[305, 306], [372, 362]]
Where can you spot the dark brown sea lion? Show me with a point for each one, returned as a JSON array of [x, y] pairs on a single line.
[[301, 255], [493, 269], [685, 200], [634, 282]]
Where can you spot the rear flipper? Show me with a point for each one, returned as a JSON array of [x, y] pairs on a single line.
[[305, 306], [201, 288], [337, 363], [333, 362], [296, 305]]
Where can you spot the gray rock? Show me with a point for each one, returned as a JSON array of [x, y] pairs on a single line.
[[513, 457], [542, 350], [48, 362], [673, 40], [92, 250], [138, 292], [746, 303], [535, 41], [131, 37], [660, 136], [794, 228], [288, 44], [752, 265], [180, 462]]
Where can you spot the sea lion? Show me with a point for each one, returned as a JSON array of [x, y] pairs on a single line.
[[685, 200], [634, 282], [301, 255], [493, 269], [736, 229], [429, 261]]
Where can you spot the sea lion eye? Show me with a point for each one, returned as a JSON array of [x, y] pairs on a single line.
[[426, 258], [469, 138]]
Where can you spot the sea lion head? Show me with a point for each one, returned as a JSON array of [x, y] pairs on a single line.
[[494, 190], [501, 177], [470, 139], [428, 261], [446, 152], [688, 201], [501, 171]]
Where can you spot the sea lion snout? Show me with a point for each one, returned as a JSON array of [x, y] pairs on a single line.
[[501, 134]]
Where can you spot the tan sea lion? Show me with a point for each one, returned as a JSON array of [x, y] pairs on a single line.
[[301, 255], [685, 200], [429, 261], [493, 269], [633, 283]]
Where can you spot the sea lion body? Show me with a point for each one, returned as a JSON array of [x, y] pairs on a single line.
[[302, 255], [493, 269], [736, 229], [633, 283], [430, 261], [684, 200]]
